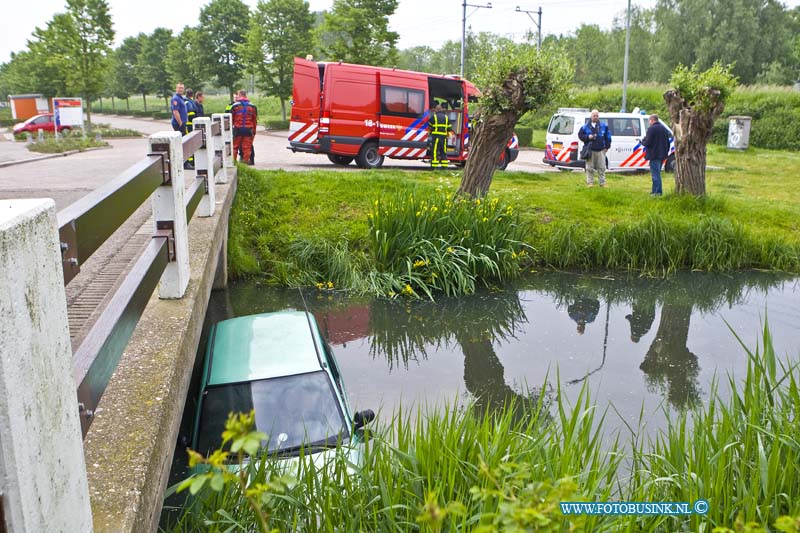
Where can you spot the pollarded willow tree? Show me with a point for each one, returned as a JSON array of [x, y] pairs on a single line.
[[694, 102], [514, 79]]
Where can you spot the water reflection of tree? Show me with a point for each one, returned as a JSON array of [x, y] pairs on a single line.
[[669, 365], [403, 331]]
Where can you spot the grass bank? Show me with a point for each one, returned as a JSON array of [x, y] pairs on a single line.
[[750, 219], [464, 470]]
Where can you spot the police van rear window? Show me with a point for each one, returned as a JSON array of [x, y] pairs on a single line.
[[561, 125]]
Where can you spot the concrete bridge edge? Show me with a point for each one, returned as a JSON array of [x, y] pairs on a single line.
[[129, 447]]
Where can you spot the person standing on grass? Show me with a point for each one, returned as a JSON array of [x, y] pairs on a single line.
[[656, 143], [597, 135]]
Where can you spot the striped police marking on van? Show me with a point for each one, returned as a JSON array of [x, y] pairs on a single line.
[[636, 159]]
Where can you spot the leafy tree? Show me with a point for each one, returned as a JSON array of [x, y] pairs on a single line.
[[151, 65], [695, 101], [124, 71], [279, 31], [47, 58], [222, 31], [640, 65], [748, 34], [70, 55], [357, 31], [417, 58], [184, 59], [89, 33], [517, 79], [591, 52]]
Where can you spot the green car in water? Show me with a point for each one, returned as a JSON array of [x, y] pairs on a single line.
[[278, 365]]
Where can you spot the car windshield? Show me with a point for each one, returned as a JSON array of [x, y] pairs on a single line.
[[291, 410], [561, 125]]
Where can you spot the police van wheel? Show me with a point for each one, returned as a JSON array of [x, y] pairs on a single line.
[[670, 166], [343, 160], [368, 156]]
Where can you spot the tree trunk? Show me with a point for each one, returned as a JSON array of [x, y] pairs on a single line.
[[101, 104], [128, 105], [113, 106], [88, 115], [283, 108], [144, 97], [692, 129], [489, 138]]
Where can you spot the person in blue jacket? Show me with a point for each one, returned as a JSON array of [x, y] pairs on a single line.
[[656, 143], [597, 135]]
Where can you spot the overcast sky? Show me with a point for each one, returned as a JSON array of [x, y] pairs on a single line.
[[417, 21]]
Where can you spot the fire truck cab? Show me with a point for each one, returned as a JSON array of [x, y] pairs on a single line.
[[363, 113]]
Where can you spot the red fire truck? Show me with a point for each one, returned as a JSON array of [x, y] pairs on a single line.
[[363, 113]]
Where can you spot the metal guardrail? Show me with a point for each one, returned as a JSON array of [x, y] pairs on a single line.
[[86, 224]]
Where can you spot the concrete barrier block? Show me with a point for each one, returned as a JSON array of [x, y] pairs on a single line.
[[42, 469]]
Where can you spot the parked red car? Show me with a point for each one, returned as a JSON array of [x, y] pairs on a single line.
[[44, 122]]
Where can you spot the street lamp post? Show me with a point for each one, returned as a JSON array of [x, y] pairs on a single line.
[[464, 27], [625, 67], [538, 23]]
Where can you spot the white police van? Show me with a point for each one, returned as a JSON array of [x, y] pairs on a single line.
[[627, 129]]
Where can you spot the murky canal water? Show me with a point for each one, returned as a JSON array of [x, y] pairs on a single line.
[[633, 341], [643, 345]]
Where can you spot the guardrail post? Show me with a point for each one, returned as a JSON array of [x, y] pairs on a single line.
[[219, 148], [169, 213], [204, 163], [227, 133], [42, 469]]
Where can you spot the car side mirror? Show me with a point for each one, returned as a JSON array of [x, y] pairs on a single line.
[[362, 418]]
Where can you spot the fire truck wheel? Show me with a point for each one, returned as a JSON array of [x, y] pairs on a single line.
[[343, 160], [505, 157], [368, 156]]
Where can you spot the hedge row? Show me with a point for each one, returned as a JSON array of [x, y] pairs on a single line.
[[775, 111]]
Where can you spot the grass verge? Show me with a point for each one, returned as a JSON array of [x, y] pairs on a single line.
[[508, 470]]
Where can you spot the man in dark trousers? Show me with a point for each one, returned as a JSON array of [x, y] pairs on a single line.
[[245, 120], [438, 125], [180, 117], [656, 143]]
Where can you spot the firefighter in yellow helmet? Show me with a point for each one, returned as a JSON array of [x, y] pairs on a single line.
[[439, 126]]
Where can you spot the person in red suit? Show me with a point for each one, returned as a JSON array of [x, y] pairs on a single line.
[[245, 120]]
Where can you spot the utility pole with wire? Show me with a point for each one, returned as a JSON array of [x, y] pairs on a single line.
[[464, 28], [625, 67], [538, 23]]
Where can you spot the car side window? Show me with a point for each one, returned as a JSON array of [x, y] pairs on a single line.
[[625, 127]]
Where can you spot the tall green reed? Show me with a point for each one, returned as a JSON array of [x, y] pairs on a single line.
[[459, 469]]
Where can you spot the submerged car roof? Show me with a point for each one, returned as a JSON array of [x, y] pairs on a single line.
[[264, 346]]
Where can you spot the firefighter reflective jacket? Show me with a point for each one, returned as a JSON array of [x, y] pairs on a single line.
[[439, 123], [245, 117]]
